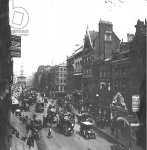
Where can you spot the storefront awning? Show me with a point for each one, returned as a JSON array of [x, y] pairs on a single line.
[[129, 120], [124, 119]]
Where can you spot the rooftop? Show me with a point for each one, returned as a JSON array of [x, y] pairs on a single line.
[[105, 22]]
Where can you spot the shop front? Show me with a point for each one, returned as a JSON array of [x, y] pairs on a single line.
[[123, 123]]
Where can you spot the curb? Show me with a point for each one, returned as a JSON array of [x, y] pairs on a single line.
[[110, 138], [107, 136]]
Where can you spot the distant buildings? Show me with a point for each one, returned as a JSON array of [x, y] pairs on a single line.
[[21, 79], [41, 79], [74, 71], [59, 73], [51, 80]]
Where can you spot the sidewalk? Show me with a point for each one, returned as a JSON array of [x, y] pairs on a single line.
[[106, 132], [17, 143], [18, 125], [120, 140]]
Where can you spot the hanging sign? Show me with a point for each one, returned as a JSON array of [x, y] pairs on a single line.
[[15, 48]]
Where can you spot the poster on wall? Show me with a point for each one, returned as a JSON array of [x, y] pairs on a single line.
[[135, 103]]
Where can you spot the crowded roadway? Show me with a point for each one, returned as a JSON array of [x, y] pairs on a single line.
[[56, 128]]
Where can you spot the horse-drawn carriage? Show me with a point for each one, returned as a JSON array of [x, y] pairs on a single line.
[[66, 123], [86, 130]]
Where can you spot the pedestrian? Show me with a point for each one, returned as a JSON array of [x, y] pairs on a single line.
[[32, 140], [27, 128], [29, 142], [112, 129], [9, 138], [17, 134]]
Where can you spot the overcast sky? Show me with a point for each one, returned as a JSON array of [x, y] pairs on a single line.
[[56, 26]]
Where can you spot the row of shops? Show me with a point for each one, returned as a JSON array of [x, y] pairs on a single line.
[[115, 114]]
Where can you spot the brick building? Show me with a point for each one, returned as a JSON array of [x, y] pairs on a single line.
[[122, 73], [102, 78], [128, 67], [98, 47]]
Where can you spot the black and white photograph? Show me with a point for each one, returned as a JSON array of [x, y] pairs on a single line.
[[73, 74]]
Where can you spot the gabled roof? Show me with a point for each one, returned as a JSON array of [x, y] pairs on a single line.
[[115, 36], [92, 35], [77, 51]]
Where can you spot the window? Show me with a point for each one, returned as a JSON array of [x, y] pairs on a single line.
[[61, 88], [109, 86], [102, 84], [108, 37], [100, 74], [104, 74]]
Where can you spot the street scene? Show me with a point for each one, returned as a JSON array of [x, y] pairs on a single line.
[[59, 137], [73, 75]]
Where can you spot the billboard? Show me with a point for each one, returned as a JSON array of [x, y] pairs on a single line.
[[135, 103], [15, 46]]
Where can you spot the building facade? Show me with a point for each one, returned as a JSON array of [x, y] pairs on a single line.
[[98, 48], [102, 71], [74, 71], [59, 80], [128, 67], [6, 73], [123, 73]]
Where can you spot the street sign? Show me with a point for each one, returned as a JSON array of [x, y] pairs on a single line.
[[135, 103], [15, 47]]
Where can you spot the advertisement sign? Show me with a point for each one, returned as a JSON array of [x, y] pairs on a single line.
[[135, 103], [118, 102], [15, 47]]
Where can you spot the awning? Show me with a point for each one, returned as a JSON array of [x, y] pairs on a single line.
[[129, 120], [124, 119]]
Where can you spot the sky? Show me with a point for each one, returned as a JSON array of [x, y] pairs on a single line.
[[55, 27]]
